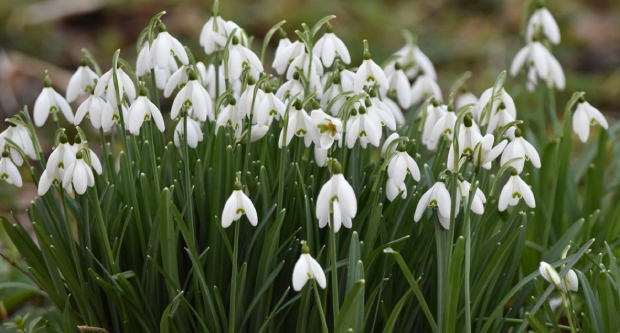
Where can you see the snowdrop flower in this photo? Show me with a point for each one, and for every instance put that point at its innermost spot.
(79, 174)
(437, 197)
(481, 112)
(20, 135)
(320, 156)
(519, 147)
(330, 93)
(50, 101)
(402, 164)
(239, 33)
(500, 119)
(329, 128)
(570, 280)
(299, 124)
(82, 81)
(365, 127)
(212, 79)
(469, 136)
(163, 47)
(397, 113)
(514, 190)
(443, 126)
(378, 110)
(485, 153)
(91, 108)
(547, 67)
(194, 133)
(247, 97)
(336, 197)
(477, 203)
(307, 268)
(423, 87)
(111, 116)
(106, 85)
(414, 60)
(386, 145)
(59, 160)
(270, 107)
(311, 70)
(286, 53)
(232, 116)
(550, 274)
(434, 112)
(369, 74)
(8, 170)
(399, 86)
(585, 116)
(329, 46)
(193, 95)
(237, 205)
(94, 160)
(239, 57)
(143, 109)
(213, 34)
(258, 132)
(178, 79)
(143, 62)
(392, 191)
(291, 88)
(465, 98)
(542, 22)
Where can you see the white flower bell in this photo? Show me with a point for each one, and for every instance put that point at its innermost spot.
(143, 109)
(165, 46)
(542, 22)
(20, 135)
(307, 268)
(50, 101)
(79, 174)
(585, 116)
(238, 204)
(402, 164)
(437, 197)
(520, 148)
(547, 67)
(329, 128)
(213, 34)
(369, 74)
(514, 190)
(81, 82)
(193, 95)
(329, 46)
(8, 170)
(336, 197)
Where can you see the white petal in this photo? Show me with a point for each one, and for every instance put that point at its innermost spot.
(317, 272)
(300, 273)
(250, 211)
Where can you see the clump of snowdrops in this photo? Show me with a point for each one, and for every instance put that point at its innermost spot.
(314, 194)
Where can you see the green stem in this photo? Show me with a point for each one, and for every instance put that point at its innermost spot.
(568, 315)
(334, 264)
(319, 306)
(472, 193)
(149, 129)
(188, 184)
(233, 288)
(103, 232)
(155, 92)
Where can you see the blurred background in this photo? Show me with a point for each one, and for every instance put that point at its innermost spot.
(480, 36)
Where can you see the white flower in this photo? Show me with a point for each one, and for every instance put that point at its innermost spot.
(79, 174)
(20, 135)
(329, 46)
(573, 281)
(61, 158)
(550, 274)
(299, 124)
(143, 109)
(143, 62)
(91, 108)
(178, 79)
(110, 116)
(500, 119)
(477, 203)
(239, 33)
(95, 163)
(514, 190)
(106, 85)
(542, 21)
(270, 107)
(414, 60)
(402, 164)
(8, 170)
(443, 126)
(378, 110)
(193, 95)
(501, 97)
(336, 197)
(239, 57)
(519, 147)
(399, 86)
(213, 34)
(50, 101)
(194, 133)
(306, 268)
(232, 116)
(438, 198)
(387, 143)
(335, 89)
(329, 128)
(212, 81)
(237, 205)
(392, 191)
(397, 113)
(247, 97)
(365, 127)
(465, 98)
(547, 67)
(285, 54)
(320, 156)
(82, 82)
(423, 87)
(311, 70)
(434, 112)
(258, 132)
(291, 88)
(163, 47)
(585, 116)
(369, 74)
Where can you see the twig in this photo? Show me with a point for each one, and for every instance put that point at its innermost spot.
(91, 329)
(14, 264)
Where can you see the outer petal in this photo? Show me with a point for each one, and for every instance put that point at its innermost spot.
(300, 273)
(13, 173)
(422, 205)
(95, 163)
(250, 211)
(505, 195)
(41, 108)
(532, 154)
(526, 193)
(137, 112)
(337, 222)
(518, 61)
(322, 202)
(317, 272)
(44, 183)
(80, 177)
(346, 196)
(229, 210)
(573, 282)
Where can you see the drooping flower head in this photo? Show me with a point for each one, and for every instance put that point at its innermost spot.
(237, 205)
(49, 101)
(585, 116)
(81, 82)
(336, 199)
